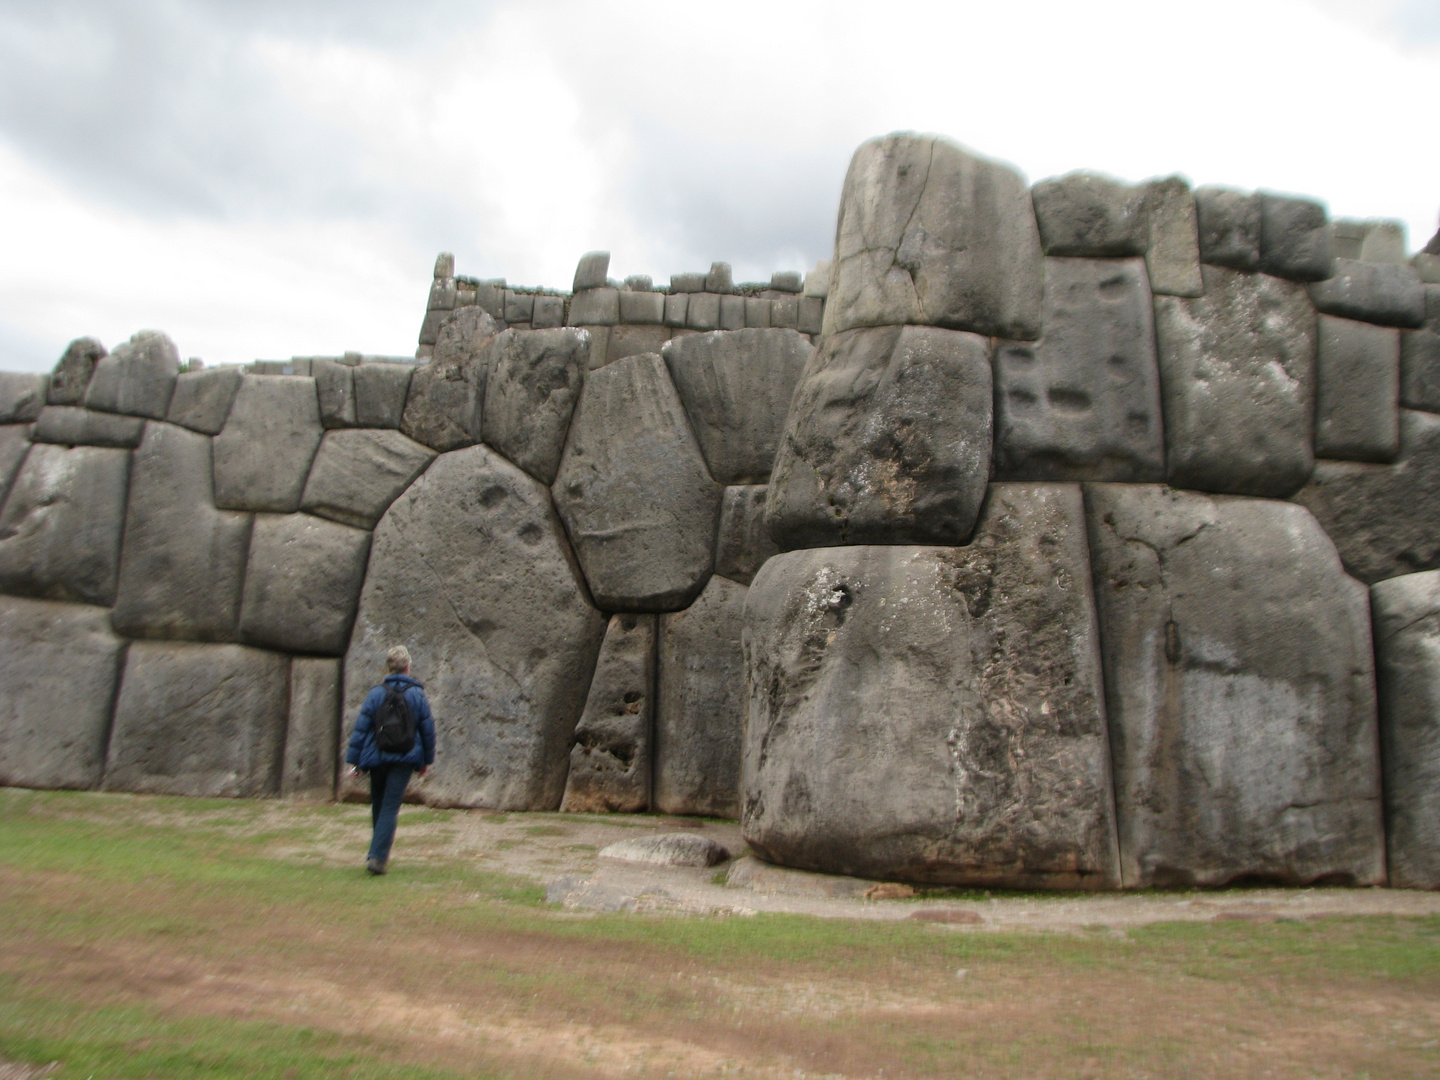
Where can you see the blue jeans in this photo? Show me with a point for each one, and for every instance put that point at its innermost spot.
(387, 788)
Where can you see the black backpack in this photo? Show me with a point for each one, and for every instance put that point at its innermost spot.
(394, 723)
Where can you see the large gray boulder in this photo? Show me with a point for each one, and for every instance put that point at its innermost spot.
(1237, 374)
(1407, 670)
(1083, 402)
(380, 391)
(335, 391)
(932, 234)
(14, 445)
(470, 569)
(137, 379)
(204, 720)
(1240, 692)
(182, 561)
(203, 398)
(71, 377)
(633, 489)
(743, 543)
(610, 763)
(69, 425)
(530, 394)
(1087, 214)
(302, 583)
(58, 664)
(1229, 225)
(1296, 241)
(60, 527)
(445, 396)
(934, 713)
(312, 729)
(736, 386)
(358, 474)
(1385, 519)
(1372, 292)
(1357, 391)
(700, 705)
(22, 396)
(888, 441)
(263, 455)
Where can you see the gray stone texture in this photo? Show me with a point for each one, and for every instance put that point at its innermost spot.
(69, 425)
(58, 664)
(642, 307)
(594, 307)
(610, 761)
(1407, 669)
(931, 234)
(137, 379)
(1083, 402)
(61, 524)
(743, 543)
(719, 279)
(71, 376)
(676, 309)
(1172, 254)
(1420, 358)
(934, 713)
(442, 408)
(633, 489)
(22, 396)
(700, 705)
(888, 441)
(205, 720)
(203, 398)
(1237, 376)
(302, 583)
(732, 312)
(530, 396)
(702, 311)
(736, 387)
(1087, 214)
(547, 312)
(380, 391)
(1357, 391)
(591, 271)
(1240, 692)
(519, 307)
(14, 445)
(471, 570)
(687, 283)
(1295, 238)
(669, 849)
(263, 454)
(757, 312)
(623, 341)
(182, 561)
(335, 389)
(812, 315)
(358, 474)
(1385, 519)
(1229, 226)
(312, 729)
(1372, 292)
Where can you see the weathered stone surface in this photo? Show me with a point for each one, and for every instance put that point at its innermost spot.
(358, 474)
(594, 307)
(668, 849)
(1240, 692)
(934, 714)
(1357, 391)
(677, 307)
(591, 271)
(1229, 224)
(203, 398)
(534, 382)
(700, 705)
(1083, 402)
(71, 376)
(931, 234)
(380, 391)
(637, 501)
(642, 307)
(610, 761)
(1420, 358)
(519, 307)
(702, 311)
(137, 379)
(1407, 669)
(1295, 238)
(719, 279)
(69, 425)
(1385, 519)
(60, 527)
(732, 312)
(736, 387)
(302, 583)
(335, 390)
(743, 543)
(263, 455)
(1237, 376)
(1084, 213)
(757, 312)
(442, 408)
(203, 720)
(1372, 292)
(312, 730)
(14, 444)
(471, 571)
(22, 396)
(623, 341)
(1172, 254)
(58, 664)
(548, 311)
(887, 441)
(182, 561)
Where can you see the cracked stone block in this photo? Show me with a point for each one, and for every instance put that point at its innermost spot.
(335, 389)
(14, 445)
(471, 570)
(1229, 227)
(60, 526)
(442, 407)
(58, 664)
(263, 454)
(1240, 692)
(380, 391)
(934, 713)
(71, 376)
(595, 307)
(610, 760)
(887, 441)
(1172, 253)
(642, 307)
(302, 583)
(743, 543)
(547, 312)
(22, 396)
(68, 425)
(202, 399)
(1083, 402)
(530, 396)
(312, 729)
(931, 234)
(202, 720)
(1086, 214)
(1237, 378)
(358, 474)
(633, 489)
(137, 379)
(1295, 238)
(736, 387)
(591, 270)
(1372, 292)
(1357, 391)
(632, 340)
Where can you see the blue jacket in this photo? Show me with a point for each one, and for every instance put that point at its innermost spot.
(362, 750)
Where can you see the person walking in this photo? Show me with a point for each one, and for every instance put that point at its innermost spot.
(394, 737)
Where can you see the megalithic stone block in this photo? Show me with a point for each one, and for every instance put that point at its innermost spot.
(442, 407)
(380, 391)
(68, 425)
(1087, 214)
(335, 389)
(71, 377)
(1229, 226)
(1172, 254)
(1378, 293)
(302, 583)
(743, 541)
(263, 455)
(203, 398)
(14, 445)
(312, 729)
(888, 441)
(22, 396)
(934, 713)
(1357, 391)
(1295, 238)
(530, 395)
(1240, 688)
(358, 474)
(137, 379)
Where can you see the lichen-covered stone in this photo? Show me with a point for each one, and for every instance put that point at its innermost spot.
(530, 395)
(356, 475)
(302, 583)
(137, 379)
(610, 762)
(263, 455)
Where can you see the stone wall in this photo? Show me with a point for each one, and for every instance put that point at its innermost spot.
(1030, 542)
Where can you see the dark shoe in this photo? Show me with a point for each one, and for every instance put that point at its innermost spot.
(375, 866)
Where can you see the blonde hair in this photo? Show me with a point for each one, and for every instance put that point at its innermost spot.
(397, 660)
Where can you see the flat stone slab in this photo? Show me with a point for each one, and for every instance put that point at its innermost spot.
(137, 379)
(263, 455)
(530, 394)
(668, 849)
(302, 583)
(357, 474)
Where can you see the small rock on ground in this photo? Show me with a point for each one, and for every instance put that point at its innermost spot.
(668, 849)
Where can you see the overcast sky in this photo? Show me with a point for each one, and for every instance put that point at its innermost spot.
(266, 178)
